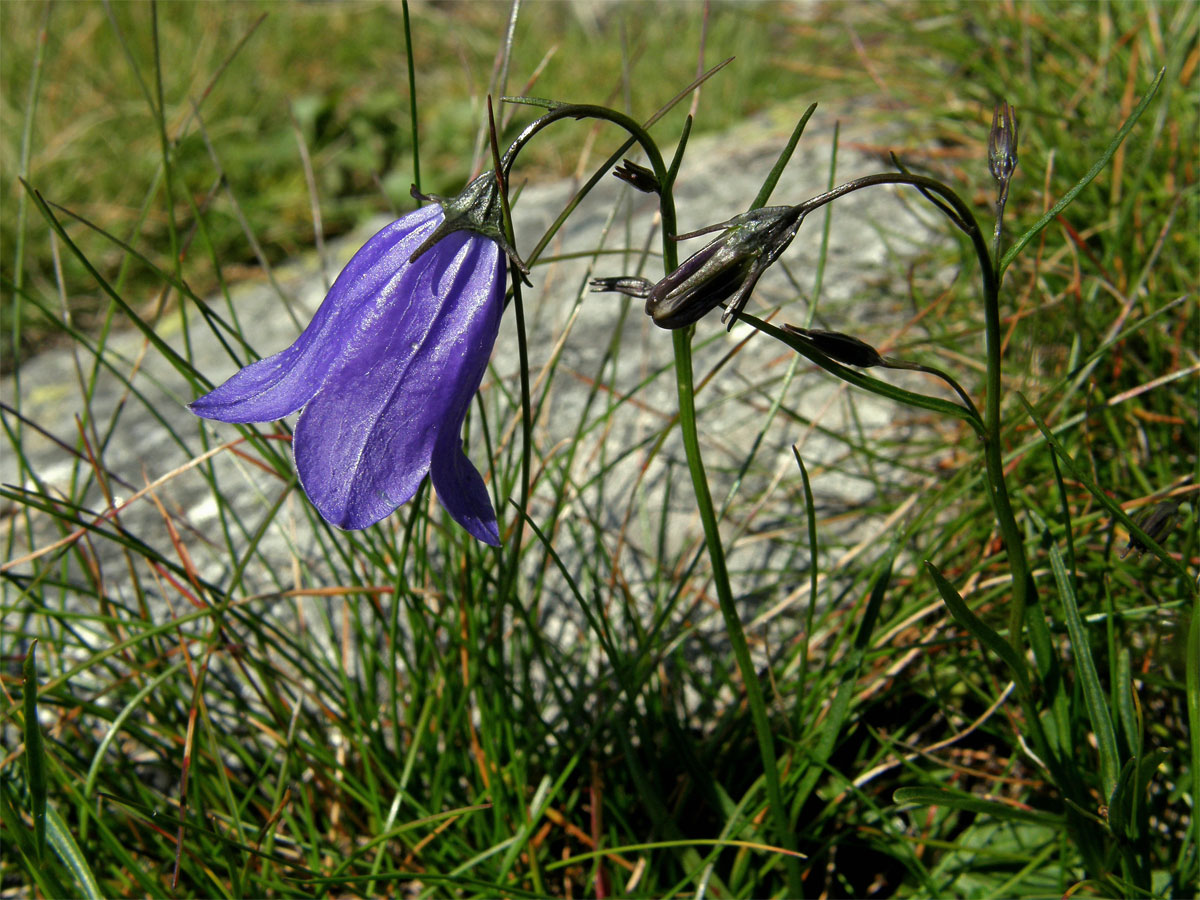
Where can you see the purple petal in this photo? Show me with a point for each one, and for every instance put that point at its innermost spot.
(462, 492)
(366, 439)
(459, 485)
(371, 283)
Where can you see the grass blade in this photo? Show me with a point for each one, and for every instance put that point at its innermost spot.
(764, 193)
(68, 851)
(35, 753)
(866, 382)
(17, 838)
(848, 679)
(1193, 712)
(1102, 497)
(980, 630)
(926, 796)
(1093, 694)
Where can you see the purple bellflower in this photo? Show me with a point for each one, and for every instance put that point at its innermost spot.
(385, 371)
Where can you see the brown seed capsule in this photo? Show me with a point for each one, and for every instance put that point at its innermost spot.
(638, 176)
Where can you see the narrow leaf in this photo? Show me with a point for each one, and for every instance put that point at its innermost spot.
(1127, 712)
(1147, 768)
(764, 193)
(858, 379)
(68, 851)
(831, 728)
(980, 630)
(180, 364)
(1192, 667)
(18, 839)
(1118, 801)
(1102, 497)
(35, 753)
(1093, 695)
(927, 796)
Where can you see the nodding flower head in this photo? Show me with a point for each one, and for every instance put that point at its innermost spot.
(722, 273)
(385, 371)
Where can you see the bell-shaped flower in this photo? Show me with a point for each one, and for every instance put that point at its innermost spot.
(385, 372)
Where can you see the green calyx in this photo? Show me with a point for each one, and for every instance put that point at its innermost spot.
(477, 209)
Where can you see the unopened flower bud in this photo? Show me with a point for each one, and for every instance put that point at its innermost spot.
(1156, 521)
(638, 176)
(1002, 142)
(843, 348)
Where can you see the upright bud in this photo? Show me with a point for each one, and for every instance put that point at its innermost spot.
(1002, 143)
(1002, 160)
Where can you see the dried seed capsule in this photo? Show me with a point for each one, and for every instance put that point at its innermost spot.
(638, 176)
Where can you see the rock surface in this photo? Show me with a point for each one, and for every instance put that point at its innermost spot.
(872, 235)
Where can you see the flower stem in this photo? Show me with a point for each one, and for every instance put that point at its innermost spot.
(733, 624)
(958, 211)
(687, 421)
(412, 96)
(685, 387)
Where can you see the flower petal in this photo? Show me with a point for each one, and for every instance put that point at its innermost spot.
(461, 490)
(459, 485)
(366, 439)
(279, 385)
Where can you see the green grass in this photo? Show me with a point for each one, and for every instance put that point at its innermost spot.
(332, 76)
(390, 713)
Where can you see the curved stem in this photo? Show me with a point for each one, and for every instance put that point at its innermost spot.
(889, 363)
(1023, 589)
(687, 421)
(639, 135)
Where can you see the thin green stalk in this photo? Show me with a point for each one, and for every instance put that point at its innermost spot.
(412, 96)
(687, 421)
(810, 514)
(1192, 679)
(1023, 588)
(510, 577)
(733, 624)
(682, 340)
(31, 98)
(160, 111)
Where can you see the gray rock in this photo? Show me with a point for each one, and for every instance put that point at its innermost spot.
(608, 414)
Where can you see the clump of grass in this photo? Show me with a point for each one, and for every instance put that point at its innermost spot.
(233, 699)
